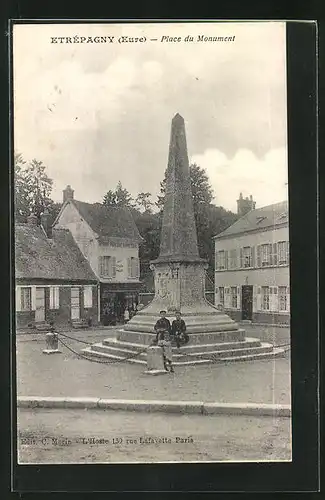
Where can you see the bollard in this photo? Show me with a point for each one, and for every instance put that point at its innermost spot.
(52, 343)
(155, 362)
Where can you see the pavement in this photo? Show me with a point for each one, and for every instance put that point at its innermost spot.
(95, 436)
(38, 374)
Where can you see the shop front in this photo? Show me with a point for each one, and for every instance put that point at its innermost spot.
(115, 299)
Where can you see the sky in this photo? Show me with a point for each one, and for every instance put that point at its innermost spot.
(99, 113)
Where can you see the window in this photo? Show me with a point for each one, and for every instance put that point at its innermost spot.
(221, 259)
(265, 298)
(234, 297)
(283, 299)
(133, 267)
(247, 257)
(283, 252)
(107, 266)
(54, 297)
(222, 295)
(88, 296)
(233, 259)
(266, 254)
(26, 299)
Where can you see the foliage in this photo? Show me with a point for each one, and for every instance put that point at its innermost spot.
(119, 197)
(144, 203)
(32, 188)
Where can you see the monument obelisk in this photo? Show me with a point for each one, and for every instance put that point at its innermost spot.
(179, 284)
(179, 272)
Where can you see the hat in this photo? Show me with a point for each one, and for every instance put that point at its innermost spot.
(163, 311)
(178, 312)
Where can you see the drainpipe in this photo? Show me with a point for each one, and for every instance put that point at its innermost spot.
(98, 303)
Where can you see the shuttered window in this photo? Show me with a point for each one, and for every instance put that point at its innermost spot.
(25, 299)
(265, 299)
(283, 298)
(283, 252)
(234, 297)
(133, 267)
(108, 266)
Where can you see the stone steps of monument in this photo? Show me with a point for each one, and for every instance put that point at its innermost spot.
(180, 358)
(195, 338)
(191, 350)
(42, 326)
(89, 351)
(188, 349)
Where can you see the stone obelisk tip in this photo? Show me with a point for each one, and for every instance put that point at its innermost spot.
(178, 233)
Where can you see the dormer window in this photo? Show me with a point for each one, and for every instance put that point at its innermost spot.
(259, 219)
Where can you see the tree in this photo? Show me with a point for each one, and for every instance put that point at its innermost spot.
(210, 219)
(32, 188)
(119, 197)
(144, 202)
(202, 191)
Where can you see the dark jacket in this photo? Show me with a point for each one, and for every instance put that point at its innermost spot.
(178, 326)
(163, 324)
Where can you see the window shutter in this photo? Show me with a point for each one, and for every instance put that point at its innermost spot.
(275, 254)
(217, 260)
(57, 297)
(241, 258)
(258, 250)
(113, 264)
(287, 253)
(137, 268)
(238, 297)
(253, 256)
(101, 266)
(33, 298)
(129, 267)
(226, 259)
(275, 299)
(288, 299)
(271, 254)
(227, 298)
(258, 299)
(18, 298)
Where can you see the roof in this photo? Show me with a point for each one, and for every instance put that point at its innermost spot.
(57, 258)
(115, 222)
(259, 219)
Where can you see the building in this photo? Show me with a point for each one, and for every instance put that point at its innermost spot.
(53, 279)
(109, 239)
(252, 266)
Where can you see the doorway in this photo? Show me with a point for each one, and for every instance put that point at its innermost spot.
(40, 305)
(247, 302)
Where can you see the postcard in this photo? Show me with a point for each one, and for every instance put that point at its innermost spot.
(152, 283)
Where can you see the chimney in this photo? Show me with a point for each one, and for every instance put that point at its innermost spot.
(45, 222)
(68, 193)
(32, 220)
(245, 205)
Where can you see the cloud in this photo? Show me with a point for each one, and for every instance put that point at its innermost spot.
(264, 178)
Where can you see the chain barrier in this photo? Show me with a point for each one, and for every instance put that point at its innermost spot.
(106, 362)
(127, 358)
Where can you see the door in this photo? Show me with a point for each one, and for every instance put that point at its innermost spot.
(40, 305)
(247, 302)
(75, 303)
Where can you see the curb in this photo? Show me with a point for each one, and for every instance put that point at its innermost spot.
(185, 407)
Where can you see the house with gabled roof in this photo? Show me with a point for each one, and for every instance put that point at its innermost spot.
(252, 265)
(109, 240)
(54, 282)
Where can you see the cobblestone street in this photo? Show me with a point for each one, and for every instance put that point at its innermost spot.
(56, 436)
